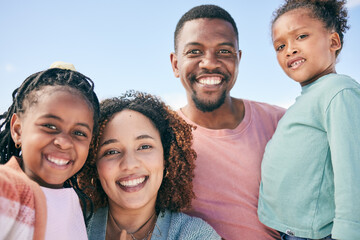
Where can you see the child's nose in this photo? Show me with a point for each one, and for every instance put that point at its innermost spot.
(63, 141)
(291, 50)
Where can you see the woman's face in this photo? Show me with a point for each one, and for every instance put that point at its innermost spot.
(130, 161)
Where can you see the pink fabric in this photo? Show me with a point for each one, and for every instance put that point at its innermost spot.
(65, 218)
(227, 173)
(22, 204)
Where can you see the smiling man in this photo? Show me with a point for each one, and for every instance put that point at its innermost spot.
(231, 133)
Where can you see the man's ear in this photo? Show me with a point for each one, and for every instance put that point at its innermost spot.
(15, 128)
(335, 43)
(240, 53)
(174, 64)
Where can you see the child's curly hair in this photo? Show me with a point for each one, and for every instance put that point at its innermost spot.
(332, 13)
(176, 190)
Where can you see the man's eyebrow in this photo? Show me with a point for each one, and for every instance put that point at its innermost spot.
(192, 44)
(227, 44)
(221, 44)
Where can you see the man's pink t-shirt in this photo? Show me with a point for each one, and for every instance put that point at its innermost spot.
(227, 173)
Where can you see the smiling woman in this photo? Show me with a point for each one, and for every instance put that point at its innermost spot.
(141, 173)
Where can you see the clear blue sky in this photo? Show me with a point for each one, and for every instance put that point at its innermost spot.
(125, 45)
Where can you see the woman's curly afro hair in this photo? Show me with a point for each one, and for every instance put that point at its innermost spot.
(176, 190)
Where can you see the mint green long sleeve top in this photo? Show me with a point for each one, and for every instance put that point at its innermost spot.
(311, 167)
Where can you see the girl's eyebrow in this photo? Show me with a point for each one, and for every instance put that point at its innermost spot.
(52, 116)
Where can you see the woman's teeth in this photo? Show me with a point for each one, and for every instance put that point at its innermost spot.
(133, 182)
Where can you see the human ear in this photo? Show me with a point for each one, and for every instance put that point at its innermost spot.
(240, 53)
(15, 128)
(174, 64)
(335, 43)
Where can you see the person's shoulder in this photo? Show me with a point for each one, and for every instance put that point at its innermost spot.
(188, 227)
(265, 106)
(339, 82)
(96, 227)
(264, 110)
(13, 181)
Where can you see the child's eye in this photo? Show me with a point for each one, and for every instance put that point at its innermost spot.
(80, 133)
(302, 36)
(50, 126)
(279, 48)
(145, 146)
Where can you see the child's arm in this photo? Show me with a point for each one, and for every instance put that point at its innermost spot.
(17, 216)
(343, 129)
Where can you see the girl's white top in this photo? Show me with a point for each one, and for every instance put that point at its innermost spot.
(64, 215)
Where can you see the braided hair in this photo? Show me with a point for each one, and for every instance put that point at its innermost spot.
(332, 13)
(176, 190)
(25, 95)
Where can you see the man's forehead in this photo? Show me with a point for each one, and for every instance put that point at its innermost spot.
(207, 29)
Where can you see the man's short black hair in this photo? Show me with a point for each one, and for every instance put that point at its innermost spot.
(204, 11)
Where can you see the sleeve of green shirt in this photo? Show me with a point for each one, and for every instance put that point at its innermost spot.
(343, 129)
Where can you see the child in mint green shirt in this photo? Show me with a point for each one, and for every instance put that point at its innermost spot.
(310, 185)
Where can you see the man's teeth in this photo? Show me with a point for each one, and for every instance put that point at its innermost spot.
(210, 80)
(297, 63)
(133, 182)
(58, 161)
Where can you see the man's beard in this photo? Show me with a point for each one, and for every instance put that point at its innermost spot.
(208, 106)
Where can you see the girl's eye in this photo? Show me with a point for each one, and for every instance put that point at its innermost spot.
(144, 147)
(80, 133)
(279, 48)
(302, 36)
(50, 126)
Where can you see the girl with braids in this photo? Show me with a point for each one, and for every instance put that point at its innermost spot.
(44, 140)
(310, 170)
(141, 172)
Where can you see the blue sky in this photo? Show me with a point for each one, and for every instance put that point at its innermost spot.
(125, 45)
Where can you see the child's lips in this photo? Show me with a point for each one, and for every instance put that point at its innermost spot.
(296, 62)
(57, 160)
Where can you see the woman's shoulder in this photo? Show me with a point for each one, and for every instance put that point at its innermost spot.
(96, 228)
(182, 226)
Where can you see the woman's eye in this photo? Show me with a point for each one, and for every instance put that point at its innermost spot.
(143, 147)
(111, 152)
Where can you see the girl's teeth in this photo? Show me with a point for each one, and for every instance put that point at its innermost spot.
(298, 62)
(57, 161)
(133, 182)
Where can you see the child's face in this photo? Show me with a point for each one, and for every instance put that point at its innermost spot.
(131, 161)
(305, 48)
(55, 134)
